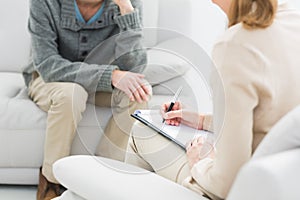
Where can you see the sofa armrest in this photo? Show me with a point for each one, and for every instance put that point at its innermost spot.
(93, 177)
(273, 177)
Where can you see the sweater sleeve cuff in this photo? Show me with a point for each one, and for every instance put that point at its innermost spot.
(200, 170)
(129, 21)
(104, 84)
(208, 123)
(201, 173)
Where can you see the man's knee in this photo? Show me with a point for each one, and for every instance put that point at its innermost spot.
(70, 95)
(121, 100)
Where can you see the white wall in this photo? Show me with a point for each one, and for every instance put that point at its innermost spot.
(295, 3)
(209, 22)
(200, 20)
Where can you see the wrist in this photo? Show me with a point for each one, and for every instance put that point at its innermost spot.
(126, 9)
(114, 76)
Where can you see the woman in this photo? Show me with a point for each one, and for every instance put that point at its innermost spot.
(63, 33)
(258, 63)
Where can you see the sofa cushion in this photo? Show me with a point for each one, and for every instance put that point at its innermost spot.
(164, 61)
(17, 111)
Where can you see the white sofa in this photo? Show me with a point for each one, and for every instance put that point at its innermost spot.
(22, 123)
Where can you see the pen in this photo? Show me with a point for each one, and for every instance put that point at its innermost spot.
(174, 100)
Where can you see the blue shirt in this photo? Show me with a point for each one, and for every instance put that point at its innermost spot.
(93, 19)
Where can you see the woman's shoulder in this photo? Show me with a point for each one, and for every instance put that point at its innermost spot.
(235, 34)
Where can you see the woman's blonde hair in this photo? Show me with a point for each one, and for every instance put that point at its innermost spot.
(252, 13)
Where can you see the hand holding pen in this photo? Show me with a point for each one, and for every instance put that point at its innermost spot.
(170, 106)
(173, 114)
(174, 121)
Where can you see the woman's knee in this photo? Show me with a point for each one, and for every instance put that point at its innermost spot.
(141, 133)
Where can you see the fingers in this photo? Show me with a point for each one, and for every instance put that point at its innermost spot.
(173, 122)
(171, 118)
(195, 143)
(140, 75)
(147, 88)
(173, 114)
(129, 94)
(165, 106)
(143, 94)
(139, 95)
(144, 88)
(130, 83)
(177, 106)
(139, 92)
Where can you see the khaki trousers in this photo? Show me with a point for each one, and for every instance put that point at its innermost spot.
(65, 102)
(151, 151)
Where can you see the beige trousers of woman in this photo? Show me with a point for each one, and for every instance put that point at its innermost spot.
(151, 151)
(65, 102)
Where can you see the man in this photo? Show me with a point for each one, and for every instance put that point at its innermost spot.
(63, 33)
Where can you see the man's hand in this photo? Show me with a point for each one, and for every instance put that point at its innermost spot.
(133, 84)
(125, 6)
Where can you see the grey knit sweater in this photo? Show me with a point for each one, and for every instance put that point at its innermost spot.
(61, 43)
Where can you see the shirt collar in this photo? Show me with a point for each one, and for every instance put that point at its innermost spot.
(69, 21)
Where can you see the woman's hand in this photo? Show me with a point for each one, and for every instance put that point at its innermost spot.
(178, 115)
(125, 6)
(198, 149)
(133, 84)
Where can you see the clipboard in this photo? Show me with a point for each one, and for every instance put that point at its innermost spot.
(184, 133)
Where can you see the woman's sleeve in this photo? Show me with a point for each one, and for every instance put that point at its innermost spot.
(130, 53)
(235, 97)
(208, 122)
(51, 66)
